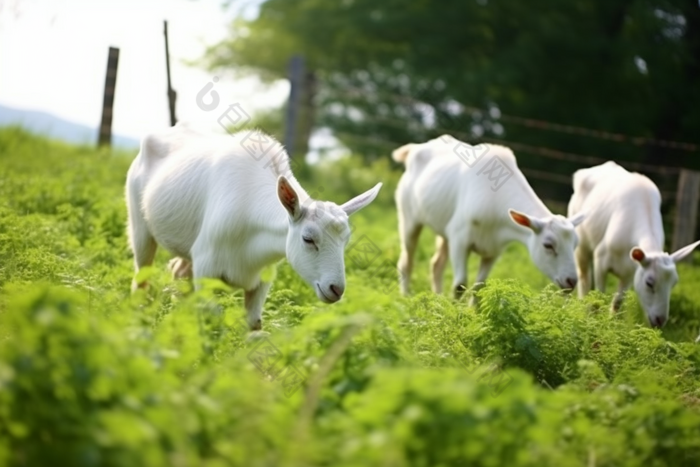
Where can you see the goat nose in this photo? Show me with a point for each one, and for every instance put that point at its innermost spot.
(571, 282)
(658, 322)
(337, 290)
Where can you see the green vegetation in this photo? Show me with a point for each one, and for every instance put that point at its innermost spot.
(91, 375)
(625, 66)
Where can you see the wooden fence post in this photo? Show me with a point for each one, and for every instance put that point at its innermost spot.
(687, 199)
(307, 112)
(296, 76)
(172, 95)
(105, 137)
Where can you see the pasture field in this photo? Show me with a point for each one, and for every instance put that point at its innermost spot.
(91, 375)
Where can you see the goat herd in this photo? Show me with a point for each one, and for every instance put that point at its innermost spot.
(212, 203)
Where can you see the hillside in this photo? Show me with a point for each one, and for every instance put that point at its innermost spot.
(92, 375)
(50, 125)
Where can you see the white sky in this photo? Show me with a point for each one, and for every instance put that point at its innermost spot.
(53, 57)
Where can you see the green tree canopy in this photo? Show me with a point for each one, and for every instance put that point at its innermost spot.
(396, 71)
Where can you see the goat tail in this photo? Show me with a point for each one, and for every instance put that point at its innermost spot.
(401, 154)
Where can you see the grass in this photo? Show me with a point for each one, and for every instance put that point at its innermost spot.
(92, 375)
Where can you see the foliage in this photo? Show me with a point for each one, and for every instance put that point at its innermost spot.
(625, 66)
(92, 375)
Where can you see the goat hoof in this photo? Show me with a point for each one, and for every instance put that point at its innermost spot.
(138, 285)
(256, 326)
(459, 291)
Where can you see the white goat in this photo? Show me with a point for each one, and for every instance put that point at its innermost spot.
(623, 234)
(473, 208)
(226, 214)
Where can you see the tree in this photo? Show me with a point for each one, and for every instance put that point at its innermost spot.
(400, 71)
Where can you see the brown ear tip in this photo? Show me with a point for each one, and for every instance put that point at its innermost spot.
(637, 254)
(519, 218)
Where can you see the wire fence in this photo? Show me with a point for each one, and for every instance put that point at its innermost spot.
(421, 119)
(546, 152)
(546, 125)
(518, 147)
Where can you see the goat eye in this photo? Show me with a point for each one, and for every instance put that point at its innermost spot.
(307, 240)
(549, 246)
(650, 284)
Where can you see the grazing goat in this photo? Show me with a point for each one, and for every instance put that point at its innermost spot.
(226, 214)
(623, 234)
(457, 199)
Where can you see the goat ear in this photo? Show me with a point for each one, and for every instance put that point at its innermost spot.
(577, 219)
(360, 201)
(288, 197)
(683, 252)
(532, 223)
(638, 255)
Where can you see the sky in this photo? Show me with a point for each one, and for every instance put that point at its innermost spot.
(53, 58)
